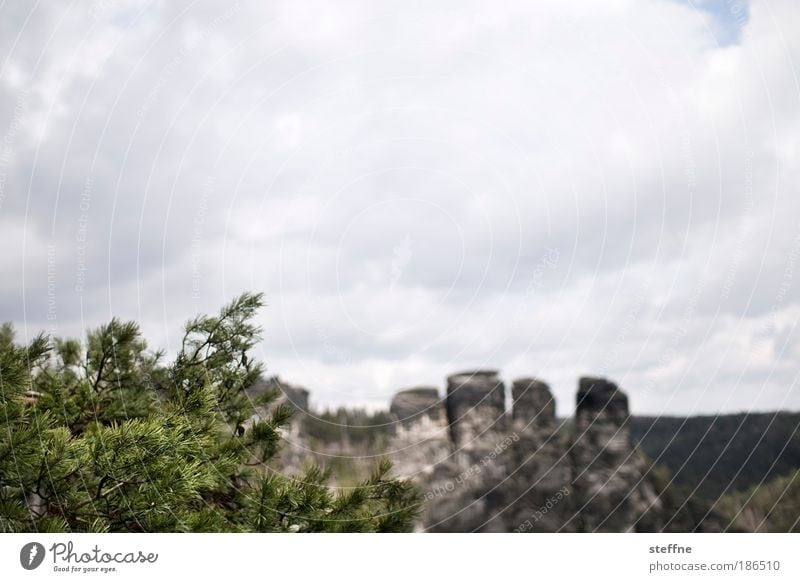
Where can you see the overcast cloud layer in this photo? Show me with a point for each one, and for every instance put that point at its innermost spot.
(555, 189)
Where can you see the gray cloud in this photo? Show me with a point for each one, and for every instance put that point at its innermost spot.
(556, 190)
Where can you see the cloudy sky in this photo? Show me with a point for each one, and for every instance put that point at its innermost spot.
(553, 189)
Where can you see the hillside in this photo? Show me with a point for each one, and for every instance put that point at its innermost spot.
(720, 454)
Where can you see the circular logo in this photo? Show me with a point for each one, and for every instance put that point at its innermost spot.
(31, 555)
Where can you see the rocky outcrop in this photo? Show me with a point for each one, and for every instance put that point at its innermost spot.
(475, 406)
(420, 448)
(420, 444)
(295, 449)
(481, 467)
(534, 406)
(409, 406)
(523, 469)
(611, 491)
(599, 399)
(294, 396)
(468, 488)
(537, 495)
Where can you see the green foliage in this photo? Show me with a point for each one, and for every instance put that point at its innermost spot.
(354, 426)
(771, 507)
(354, 435)
(106, 436)
(710, 456)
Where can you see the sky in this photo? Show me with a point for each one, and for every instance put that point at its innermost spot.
(550, 189)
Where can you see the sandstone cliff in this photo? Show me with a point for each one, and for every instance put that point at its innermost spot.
(483, 466)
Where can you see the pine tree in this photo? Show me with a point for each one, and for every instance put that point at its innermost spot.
(106, 436)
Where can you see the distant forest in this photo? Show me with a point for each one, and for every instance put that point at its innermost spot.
(716, 455)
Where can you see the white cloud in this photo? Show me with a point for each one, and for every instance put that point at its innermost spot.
(574, 187)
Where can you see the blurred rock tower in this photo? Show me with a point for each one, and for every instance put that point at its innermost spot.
(482, 467)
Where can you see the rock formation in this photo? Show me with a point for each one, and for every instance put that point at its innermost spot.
(420, 443)
(295, 449)
(420, 448)
(539, 469)
(409, 406)
(480, 467)
(526, 471)
(533, 404)
(475, 408)
(611, 492)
